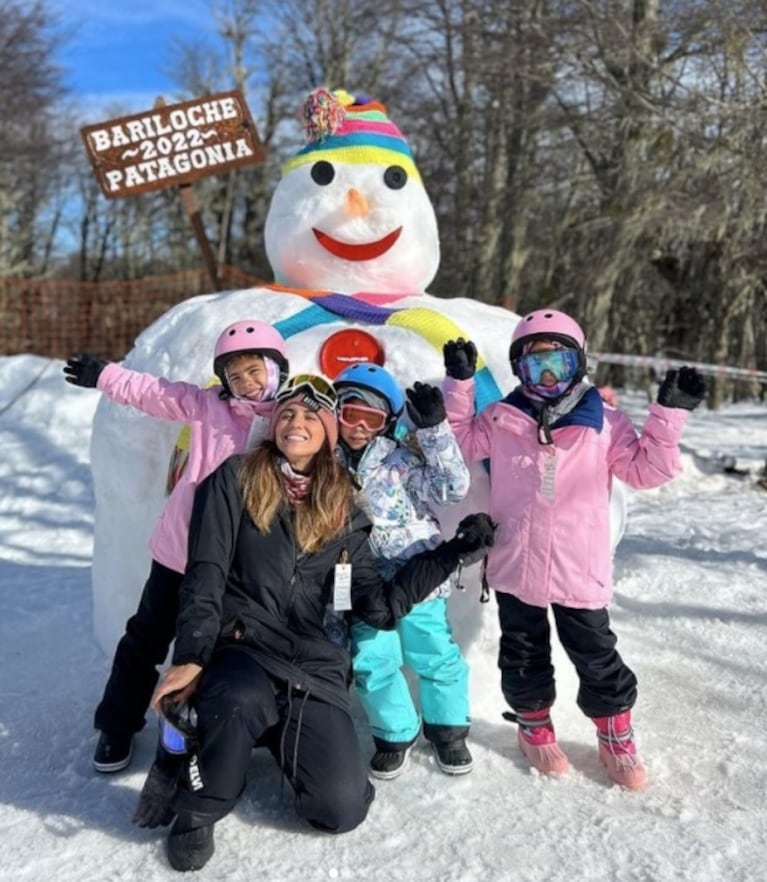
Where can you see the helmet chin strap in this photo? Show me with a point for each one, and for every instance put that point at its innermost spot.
(272, 378)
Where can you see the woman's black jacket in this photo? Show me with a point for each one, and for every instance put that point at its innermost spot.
(258, 589)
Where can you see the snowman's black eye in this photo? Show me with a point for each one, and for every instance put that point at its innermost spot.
(323, 173)
(395, 177)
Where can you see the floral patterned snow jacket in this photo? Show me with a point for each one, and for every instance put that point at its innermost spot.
(402, 489)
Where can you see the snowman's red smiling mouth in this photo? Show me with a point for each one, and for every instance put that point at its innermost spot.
(361, 251)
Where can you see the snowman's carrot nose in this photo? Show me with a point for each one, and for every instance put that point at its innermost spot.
(356, 204)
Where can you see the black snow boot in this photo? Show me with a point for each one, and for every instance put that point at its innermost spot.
(390, 759)
(189, 849)
(453, 757)
(449, 745)
(113, 752)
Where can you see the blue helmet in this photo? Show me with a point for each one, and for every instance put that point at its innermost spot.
(369, 377)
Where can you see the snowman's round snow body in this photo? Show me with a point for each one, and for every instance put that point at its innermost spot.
(352, 240)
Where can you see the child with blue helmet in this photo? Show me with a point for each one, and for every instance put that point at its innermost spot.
(400, 486)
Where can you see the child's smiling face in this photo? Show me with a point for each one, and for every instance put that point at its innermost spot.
(247, 376)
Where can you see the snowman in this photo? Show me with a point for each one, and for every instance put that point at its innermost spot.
(352, 239)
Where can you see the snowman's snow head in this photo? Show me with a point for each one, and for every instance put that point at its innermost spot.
(350, 212)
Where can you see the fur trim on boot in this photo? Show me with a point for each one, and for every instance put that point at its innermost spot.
(538, 742)
(618, 751)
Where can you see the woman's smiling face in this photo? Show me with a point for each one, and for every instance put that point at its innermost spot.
(299, 434)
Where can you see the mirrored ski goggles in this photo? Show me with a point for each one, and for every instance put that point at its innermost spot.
(563, 364)
(313, 386)
(178, 725)
(370, 418)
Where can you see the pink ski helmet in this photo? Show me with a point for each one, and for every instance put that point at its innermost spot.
(548, 324)
(250, 336)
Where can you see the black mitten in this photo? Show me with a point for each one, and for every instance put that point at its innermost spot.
(425, 405)
(153, 809)
(475, 534)
(683, 388)
(460, 358)
(84, 369)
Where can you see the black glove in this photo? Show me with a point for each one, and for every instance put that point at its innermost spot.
(475, 534)
(425, 405)
(684, 388)
(84, 369)
(153, 809)
(460, 358)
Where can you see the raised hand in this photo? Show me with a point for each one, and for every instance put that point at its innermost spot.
(425, 405)
(84, 369)
(460, 358)
(683, 388)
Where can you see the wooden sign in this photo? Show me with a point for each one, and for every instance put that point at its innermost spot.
(174, 144)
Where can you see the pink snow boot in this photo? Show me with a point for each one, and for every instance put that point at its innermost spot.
(618, 751)
(538, 742)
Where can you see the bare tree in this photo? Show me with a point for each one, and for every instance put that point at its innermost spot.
(471, 89)
(33, 146)
(601, 156)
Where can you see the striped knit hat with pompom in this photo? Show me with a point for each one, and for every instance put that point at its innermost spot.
(351, 129)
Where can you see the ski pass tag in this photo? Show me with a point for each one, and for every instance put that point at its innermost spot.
(342, 587)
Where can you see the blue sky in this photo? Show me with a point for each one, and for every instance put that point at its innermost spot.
(115, 54)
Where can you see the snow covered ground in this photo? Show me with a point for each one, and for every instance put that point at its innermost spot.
(691, 615)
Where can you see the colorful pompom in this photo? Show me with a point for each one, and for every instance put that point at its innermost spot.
(342, 127)
(323, 114)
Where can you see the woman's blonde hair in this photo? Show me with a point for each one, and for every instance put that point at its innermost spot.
(321, 514)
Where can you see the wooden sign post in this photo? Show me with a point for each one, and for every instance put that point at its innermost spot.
(174, 144)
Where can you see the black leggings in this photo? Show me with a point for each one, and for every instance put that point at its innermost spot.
(239, 707)
(148, 635)
(607, 685)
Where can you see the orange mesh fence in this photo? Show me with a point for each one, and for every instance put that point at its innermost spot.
(55, 318)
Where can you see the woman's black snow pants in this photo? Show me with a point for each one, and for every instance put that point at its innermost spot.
(239, 707)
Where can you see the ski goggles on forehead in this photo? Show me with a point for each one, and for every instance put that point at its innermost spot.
(313, 386)
(564, 364)
(371, 418)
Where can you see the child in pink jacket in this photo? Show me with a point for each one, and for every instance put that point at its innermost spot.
(553, 448)
(250, 359)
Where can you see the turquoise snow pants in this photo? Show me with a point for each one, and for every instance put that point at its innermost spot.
(424, 642)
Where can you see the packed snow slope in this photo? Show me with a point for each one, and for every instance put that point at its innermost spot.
(691, 615)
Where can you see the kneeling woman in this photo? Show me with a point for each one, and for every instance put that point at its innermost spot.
(278, 552)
